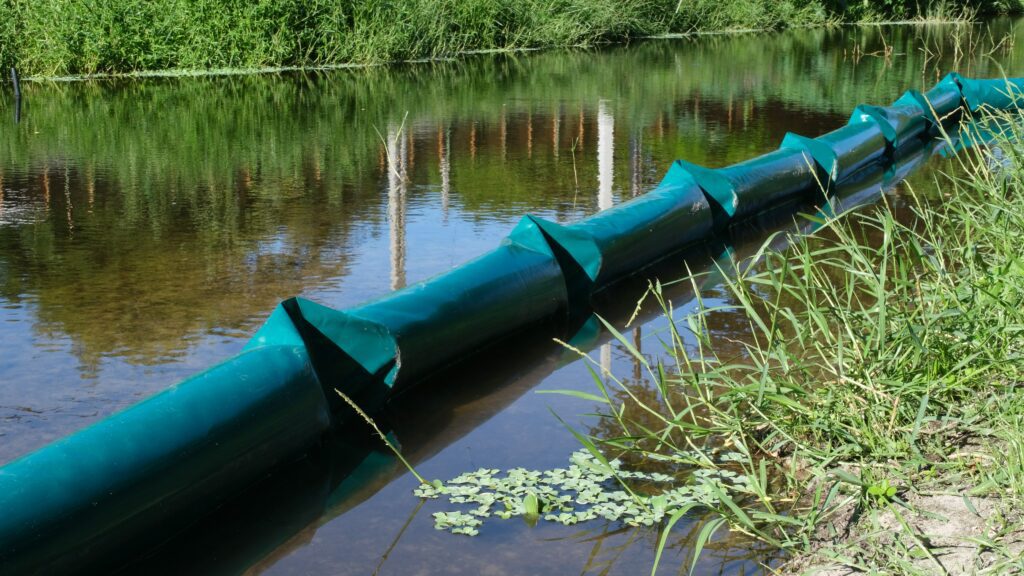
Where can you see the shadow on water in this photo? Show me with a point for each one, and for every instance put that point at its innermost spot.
(284, 511)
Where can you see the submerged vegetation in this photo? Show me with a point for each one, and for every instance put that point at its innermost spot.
(67, 37)
(872, 420)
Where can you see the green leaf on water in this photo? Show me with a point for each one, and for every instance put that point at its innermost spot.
(531, 505)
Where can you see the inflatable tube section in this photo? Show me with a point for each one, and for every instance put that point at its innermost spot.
(420, 329)
(938, 105)
(867, 185)
(155, 468)
(744, 189)
(841, 152)
(899, 124)
(619, 241)
(1000, 94)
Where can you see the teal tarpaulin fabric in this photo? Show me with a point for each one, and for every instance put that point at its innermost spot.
(158, 465)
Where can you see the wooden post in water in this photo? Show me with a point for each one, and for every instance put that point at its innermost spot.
(529, 132)
(636, 161)
(444, 137)
(503, 133)
(556, 118)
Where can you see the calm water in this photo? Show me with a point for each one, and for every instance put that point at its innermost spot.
(147, 227)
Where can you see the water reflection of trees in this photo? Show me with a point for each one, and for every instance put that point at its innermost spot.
(122, 276)
(202, 183)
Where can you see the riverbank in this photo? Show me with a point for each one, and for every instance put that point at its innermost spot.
(67, 37)
(875, 416)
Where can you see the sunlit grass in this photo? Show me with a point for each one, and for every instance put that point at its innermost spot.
(70, 37)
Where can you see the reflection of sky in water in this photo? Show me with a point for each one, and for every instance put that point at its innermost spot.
(137, 249)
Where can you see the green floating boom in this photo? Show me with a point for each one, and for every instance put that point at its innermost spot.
(618, 241)
(160, 465)
(943, 102)
(744, 189)
(899, 124)
(842, 152)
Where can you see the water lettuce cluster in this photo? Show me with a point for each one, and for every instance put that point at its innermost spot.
(587, 489)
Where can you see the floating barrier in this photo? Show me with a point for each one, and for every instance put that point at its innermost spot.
(622, 239)
(842, 152)
(162, 464)
(744, 189)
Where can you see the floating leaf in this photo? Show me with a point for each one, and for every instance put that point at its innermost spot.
(531, 505)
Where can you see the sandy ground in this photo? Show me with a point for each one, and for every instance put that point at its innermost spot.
(946, 523)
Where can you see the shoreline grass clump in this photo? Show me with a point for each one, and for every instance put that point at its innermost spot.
(80, 37)
(882, 369)
(874, 412)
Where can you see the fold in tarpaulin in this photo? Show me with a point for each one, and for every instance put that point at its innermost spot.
(374, 348)
(998, 94)
(155, 467)
(627, 237)
(899, 124)
(744, 189)
(841, 152)
(417, 330)
(940, 104)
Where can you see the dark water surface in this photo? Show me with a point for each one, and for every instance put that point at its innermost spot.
(147, 227)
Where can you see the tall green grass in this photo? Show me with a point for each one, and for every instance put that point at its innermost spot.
(875, 351)
(63, 37)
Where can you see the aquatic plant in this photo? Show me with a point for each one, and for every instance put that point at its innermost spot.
(589, 488)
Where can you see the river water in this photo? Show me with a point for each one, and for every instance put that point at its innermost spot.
(148, 226)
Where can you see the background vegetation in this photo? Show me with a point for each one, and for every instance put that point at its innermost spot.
(67, 37)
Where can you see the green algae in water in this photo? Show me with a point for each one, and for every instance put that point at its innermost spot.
(585, 490)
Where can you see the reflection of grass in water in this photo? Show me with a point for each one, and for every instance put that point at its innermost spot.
(213, 166)
(189, 179)
(109, 120)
